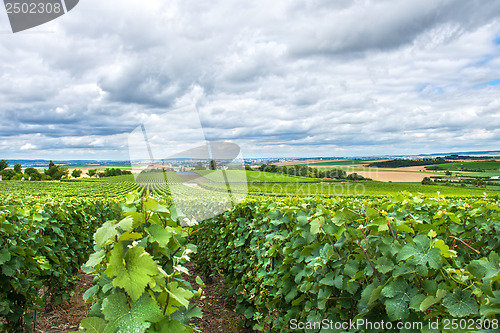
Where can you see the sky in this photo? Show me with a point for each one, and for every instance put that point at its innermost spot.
(279, 78)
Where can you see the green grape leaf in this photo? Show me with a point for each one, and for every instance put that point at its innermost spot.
(328, 279)
(315, 226)
(150, 205)
(371, 293)
(405, 228)
(428, 302)
(398, 294)
(4, 256)
(130, 235)
(199, 281)
(384, 265)
(131, 197)
(93, 325)
(178, 295)
(105, 233)
(95, 258)
(159, 234)
(445, 249)
(126, 224)
(493, 306)
(416, 301)
(421, 254)
(134, 272)
(486, 270)
(460, 303)
(89, 293)
(342, 216)
(135, 319)
(397, 308)
(168, 326)
(394, 288)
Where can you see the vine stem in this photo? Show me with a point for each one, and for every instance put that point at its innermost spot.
(166, 304)
(331, 241)
(461, 241)
(369, 260)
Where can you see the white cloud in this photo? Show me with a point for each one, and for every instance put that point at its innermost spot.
(28, 146)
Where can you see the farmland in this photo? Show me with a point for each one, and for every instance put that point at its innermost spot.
(467, 166)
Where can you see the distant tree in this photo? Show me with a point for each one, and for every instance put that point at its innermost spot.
(101, 174)
(199, 166)
(76, 173)
(248, 168)
(3, 165)
(60, 173)
(92, 172)
(17, 176)
(7, 174)
(33, 173)
(56, 172)
(427, 181)
(213, 165)
(17, 168)
(355, 176)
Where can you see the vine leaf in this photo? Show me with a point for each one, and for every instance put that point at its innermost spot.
(315, 226)
(93, 325)
(179, 296)
(444, 249)
(135, 319)
(489, 271)
(460, 303)
(159, 234)
(95, 259)
(105, 233)
(168, 325)
(4, 256)
(399, 295)
(421, 254)
(134, 273)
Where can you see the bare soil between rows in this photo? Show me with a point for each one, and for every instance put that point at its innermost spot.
(219, 314)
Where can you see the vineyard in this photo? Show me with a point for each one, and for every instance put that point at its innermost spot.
(288, 257)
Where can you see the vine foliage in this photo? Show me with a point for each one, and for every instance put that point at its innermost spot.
(399, 258)
(139, 266)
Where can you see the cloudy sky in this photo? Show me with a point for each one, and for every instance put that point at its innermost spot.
(280, 78)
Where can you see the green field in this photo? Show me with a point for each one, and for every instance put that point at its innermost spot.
(256, 176)
(99, 167)
(333, 163)
(479, 174)
(459, 166)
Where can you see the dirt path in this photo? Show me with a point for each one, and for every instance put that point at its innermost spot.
(218, 313)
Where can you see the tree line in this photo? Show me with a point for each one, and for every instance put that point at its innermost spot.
(305, 171)
(54, 172)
